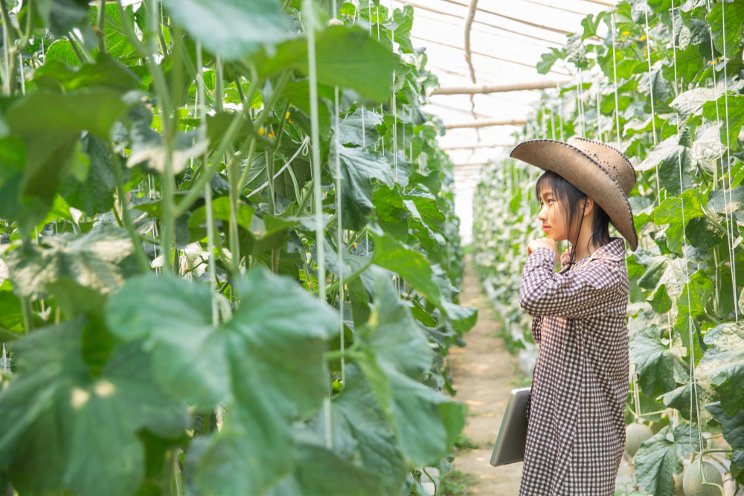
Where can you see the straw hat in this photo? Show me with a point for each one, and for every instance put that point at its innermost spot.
(600, 171)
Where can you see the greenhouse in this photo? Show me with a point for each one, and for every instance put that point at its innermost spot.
(372, 247)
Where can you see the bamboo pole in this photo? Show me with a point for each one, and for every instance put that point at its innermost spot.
(485, 123)
(500, 88)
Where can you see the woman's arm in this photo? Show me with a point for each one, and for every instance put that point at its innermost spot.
(577, 294)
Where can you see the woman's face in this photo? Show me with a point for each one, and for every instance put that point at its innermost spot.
(553, 216)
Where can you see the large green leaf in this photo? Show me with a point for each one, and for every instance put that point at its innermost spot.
(264, 364)
(49, 124)
(94, 193)
(426, 422)
(99, 260)
(728, 110)
(232, 29)
(358, 410)
(360, 128)
(734, 16)
(319, 470)
(54, 402)
(659, 368)
(410, 264)
(660, 457)
(733, 431)
(60, 16)
(358, 170)
(672, 160)
(105, 72)
(346, 57)
(722, 364)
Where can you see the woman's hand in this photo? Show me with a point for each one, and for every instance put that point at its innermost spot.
(541, 243)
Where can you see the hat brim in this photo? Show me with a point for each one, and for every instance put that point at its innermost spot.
(587, 175)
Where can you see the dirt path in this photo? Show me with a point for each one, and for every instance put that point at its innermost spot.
(484, 374)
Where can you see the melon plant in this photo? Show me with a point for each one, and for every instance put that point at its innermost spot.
(702, 478)
(230, 260)
(635, 434)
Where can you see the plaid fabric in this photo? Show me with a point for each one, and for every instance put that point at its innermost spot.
(576, 432)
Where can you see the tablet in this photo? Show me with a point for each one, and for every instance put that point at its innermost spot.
(513, 431)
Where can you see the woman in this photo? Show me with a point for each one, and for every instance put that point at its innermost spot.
(576, 432)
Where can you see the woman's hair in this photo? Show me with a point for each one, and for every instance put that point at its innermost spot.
(569, 197)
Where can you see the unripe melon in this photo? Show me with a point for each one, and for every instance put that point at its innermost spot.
(635, 434)
(693, 482)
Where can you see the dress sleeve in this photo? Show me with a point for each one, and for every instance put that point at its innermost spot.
(573, 294)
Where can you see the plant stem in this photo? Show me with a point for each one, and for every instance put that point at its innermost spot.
(139, 251)
(101, 26)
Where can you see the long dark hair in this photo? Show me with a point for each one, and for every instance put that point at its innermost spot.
(569, 196)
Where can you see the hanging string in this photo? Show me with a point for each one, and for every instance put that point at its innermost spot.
(614, 78)
(339, 224)
(309, 14)
(729, 217)
(580, 104)
(651, 91)
(694, 405)
(394, 102)
(598, 134)
(200, 110)
(633, 376)
(728, 161)
(560, 110)
(552, 123)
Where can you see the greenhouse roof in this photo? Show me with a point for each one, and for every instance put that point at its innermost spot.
(506, 42)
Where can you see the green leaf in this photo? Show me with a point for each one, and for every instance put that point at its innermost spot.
(94, 194)
(42, 112)
(53, 402)
(358, 170)
(733, 430)
(704, 234)
(360, 128)
(232, 29)
(731, 106)
(346, 57)
(99, 260)
(49, 125)
(659, 368)
(265, 365)
(117, 41)
(722, 364)
(409, 264)
(660, 457)
(730, 202)
(672, 160)
(357, 408)
(426, 422)
(321, 471)
(734, 16)
(61, 16)
(104, 73)
(547, 60)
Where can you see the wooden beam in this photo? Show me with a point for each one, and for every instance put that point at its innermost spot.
(501, 88)
(484, 123)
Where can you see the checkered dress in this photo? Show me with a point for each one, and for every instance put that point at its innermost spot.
(576, 432)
